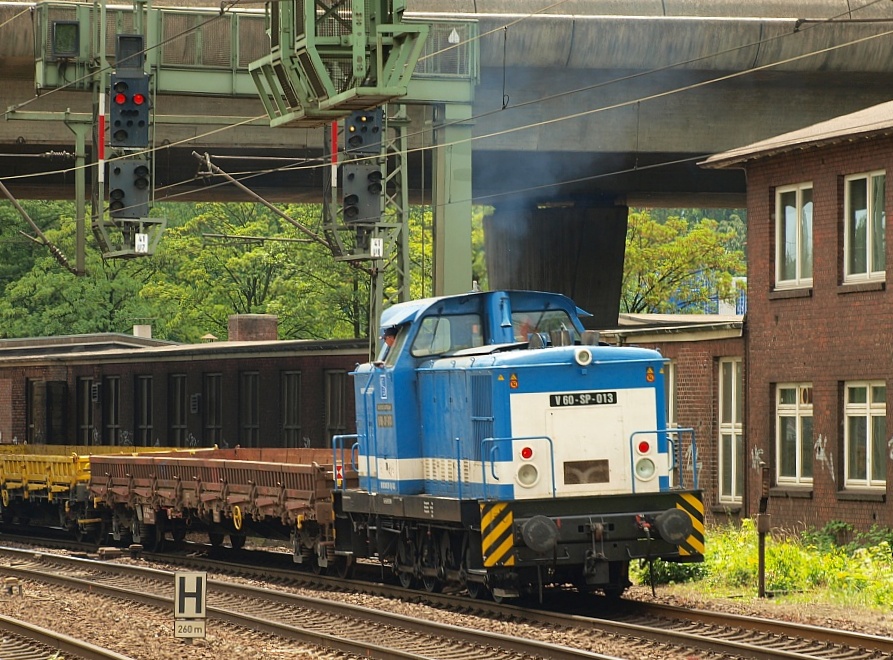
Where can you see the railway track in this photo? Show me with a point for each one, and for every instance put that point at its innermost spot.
(328, 624)
(20, 640)
(660, 631)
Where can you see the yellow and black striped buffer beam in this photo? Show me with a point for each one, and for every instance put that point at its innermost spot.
(496, 534)
(691, 504)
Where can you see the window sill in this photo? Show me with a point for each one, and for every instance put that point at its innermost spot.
(782, 294)
(792, 492)
(729, 509)
(864, 495)
(859, 287)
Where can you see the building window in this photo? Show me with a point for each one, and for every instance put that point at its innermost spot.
(336, 402)
(670, 393)
(865, 435)
(793, 213)
(249, 409)
(291, 409)
(731, 430)
(670, 402)
(178, 410)
(865, 221)
(143, 406)
(213, 400)
(87, 394)
(111, 410)
(794, 440)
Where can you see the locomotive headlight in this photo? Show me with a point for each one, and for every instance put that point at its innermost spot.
(645, 468)
(528, 475)
(583, 356)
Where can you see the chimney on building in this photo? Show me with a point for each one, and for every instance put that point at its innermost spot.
(253, 327)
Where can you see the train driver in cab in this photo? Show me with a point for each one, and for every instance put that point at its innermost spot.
(388, 352)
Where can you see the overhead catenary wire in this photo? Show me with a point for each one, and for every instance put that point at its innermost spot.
(506, 131)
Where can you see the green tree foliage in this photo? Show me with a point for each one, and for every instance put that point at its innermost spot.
(214, 260)
(48, 300)
(17, 251)
(677, 264)
(243, 259)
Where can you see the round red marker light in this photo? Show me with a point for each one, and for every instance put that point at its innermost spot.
(120, 99)
(526, 453)
(139, 99)
(644, 447)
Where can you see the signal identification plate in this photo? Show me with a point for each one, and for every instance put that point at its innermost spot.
(582, 399)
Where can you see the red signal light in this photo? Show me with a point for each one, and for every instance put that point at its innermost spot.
(526, 453)
(138, 99)
(120, 99)
(644, 447)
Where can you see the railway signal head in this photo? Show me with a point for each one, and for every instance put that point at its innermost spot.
(363, 131)
(362, 187)
(129, 111)
(129, 188)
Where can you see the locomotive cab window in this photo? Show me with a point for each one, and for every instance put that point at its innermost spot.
(545, 320)
(447, 334)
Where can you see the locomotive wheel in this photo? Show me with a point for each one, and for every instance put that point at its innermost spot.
(407, 579)
(477, 590)
(432, 584)
(405, 559)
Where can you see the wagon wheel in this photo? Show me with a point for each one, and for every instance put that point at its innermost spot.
(178, 533)
(136, 535)
(152, 537)
(237, 541)
(215, 538)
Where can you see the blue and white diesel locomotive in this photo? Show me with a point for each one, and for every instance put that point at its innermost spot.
(500, 447)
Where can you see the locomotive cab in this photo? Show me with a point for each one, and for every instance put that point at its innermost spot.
(499, 445)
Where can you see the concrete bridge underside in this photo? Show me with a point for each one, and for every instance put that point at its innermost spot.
(577, 116)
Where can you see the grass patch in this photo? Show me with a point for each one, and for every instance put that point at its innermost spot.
(835, 564)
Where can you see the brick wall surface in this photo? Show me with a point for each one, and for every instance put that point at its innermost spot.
(831, 334)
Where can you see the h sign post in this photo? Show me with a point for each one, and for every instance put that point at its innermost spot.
(190, 598)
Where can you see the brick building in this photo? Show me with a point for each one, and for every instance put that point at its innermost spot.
(819, 349)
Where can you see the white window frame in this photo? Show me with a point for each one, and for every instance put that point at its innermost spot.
(797, 412)
(801, 238)
(672, 422)
(869, 411)
(875, 268)
(731, 425)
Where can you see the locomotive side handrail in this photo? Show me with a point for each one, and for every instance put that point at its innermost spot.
(338, 448)
(495, 447)
(694, 455)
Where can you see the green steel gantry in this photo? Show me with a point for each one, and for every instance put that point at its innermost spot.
(311, 62)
